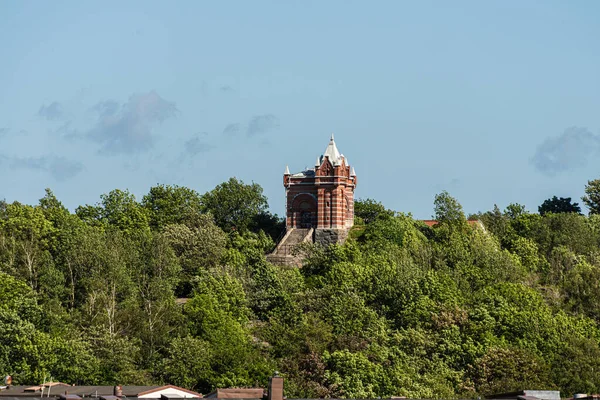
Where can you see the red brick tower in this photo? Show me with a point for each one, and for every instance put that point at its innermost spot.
(322, 197)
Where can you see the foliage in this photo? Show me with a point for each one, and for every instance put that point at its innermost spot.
(447, 208)
(117, 209)
(169, 205)
(234, 204)
(176, 289)
(592, 196)
(559, 205)
(369, 210)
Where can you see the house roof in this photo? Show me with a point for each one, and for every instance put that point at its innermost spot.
(83, 391)
(161, 388)
(237, 393)
(527, 395)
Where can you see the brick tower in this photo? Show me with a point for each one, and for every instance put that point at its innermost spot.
(322, 198)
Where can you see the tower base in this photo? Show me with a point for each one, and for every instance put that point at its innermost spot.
(326, 237)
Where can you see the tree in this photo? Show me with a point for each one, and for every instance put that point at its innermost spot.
(515, 210)
(197, 248)
(51, 205)
(25, 241)
(234, 204)
(119, 209)
(269, 223)
(592, 196)
(369, 210)
(577, 368)
(234, 359)
(503, 370)
(171, 205)
(558, 205)
(447, 208)
(188, 363)
(354, 375)
(156, 276)
(26, 351)
(106, 257)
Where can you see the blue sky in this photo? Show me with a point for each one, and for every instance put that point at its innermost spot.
(496, 102)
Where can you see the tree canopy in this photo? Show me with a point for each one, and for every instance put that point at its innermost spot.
(559, 205)
(176, 288)
(234, 204)
(592, 196)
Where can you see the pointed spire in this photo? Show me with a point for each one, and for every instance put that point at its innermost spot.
(332, 152)
(318, 163)
(353, 173)
(287, 170)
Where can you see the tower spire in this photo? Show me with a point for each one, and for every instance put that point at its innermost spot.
(287, 170)
(332, 152)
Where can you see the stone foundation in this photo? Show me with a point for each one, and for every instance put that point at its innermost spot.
(328, 237)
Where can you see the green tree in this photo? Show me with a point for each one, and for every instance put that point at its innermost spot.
(354, 375)
(503, 370)
(155, 277)
(187, 364)
(559, 205)
(27, 352)
(234, 204)
(119, 209)
(169, 205)
(269, 223)
(577, 366)
(25, 239)
(108, 289)
(198, 248)
(592, 196)
(234, 360)
(515, 210)
(368, 210)
(447, 208)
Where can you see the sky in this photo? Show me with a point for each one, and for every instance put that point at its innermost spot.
(496, 102)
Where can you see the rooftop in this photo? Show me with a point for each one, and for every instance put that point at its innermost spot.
(58, 388)
(332, 153)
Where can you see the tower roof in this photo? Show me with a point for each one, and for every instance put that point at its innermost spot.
(332, 152)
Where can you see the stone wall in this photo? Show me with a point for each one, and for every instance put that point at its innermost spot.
(327, 237)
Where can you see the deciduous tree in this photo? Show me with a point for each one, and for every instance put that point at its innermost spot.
(235, 204)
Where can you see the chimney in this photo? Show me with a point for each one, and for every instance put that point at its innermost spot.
(275, 387)
(118, 391)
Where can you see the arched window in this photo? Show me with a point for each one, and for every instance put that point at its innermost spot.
(304, 210)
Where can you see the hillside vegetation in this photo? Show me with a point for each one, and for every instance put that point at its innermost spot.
(175, 288)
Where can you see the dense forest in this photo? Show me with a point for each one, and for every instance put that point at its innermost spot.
(175, 288)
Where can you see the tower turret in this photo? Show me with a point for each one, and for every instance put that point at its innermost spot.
(322, 197)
